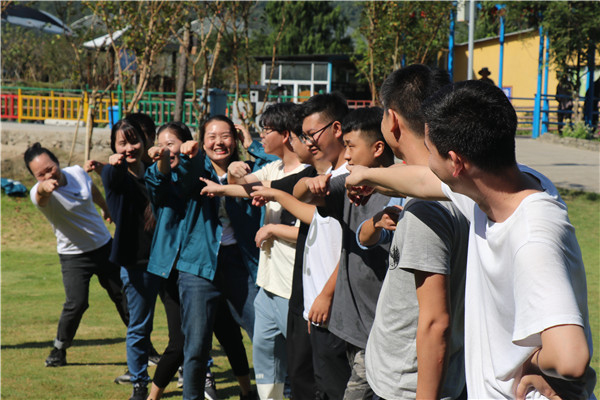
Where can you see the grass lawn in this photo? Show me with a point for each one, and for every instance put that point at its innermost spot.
(32, 296)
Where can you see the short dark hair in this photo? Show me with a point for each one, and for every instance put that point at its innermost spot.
(35, 150)
(476, 120)
(130, 129)
(280, 117)
(367, 121)
(332, 105)
(405, 89)
(180, 130)
(146, 123)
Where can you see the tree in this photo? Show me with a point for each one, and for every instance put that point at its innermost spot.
(318, 28)
(393, 33)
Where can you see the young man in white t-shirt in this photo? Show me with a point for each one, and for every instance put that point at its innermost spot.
(66, 197)
(277, 240)
(527, 332)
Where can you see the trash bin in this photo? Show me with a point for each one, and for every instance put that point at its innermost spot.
(217, 100)
(114, 115)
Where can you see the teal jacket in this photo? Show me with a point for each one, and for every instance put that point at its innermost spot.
(188, 223)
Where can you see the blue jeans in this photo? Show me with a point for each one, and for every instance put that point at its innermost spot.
(269, 348)
(141, 289)
(199, 298)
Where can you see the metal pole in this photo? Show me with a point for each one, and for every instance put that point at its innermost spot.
(535, 132)
(546, 108)
(451, 42)
(589, 94)
(501, 67)
(471, 38)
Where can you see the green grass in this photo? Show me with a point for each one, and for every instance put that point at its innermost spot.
(32, 296)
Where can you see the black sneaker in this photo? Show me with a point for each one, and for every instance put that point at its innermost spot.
(124, 379)
(140, 392)
(210, 388)
(252, 395)
(57, 358)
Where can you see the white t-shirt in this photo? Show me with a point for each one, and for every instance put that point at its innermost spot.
(276, 261)
(524, 275)
(76, 223)
(321, 252)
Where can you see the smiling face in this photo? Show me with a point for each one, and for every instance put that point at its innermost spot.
(219, 143)
(322, 141)
(43, 168)
(301, 150)
(132, 150)
(168, 139)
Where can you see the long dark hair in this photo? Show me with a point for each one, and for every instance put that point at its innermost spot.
(222, 118)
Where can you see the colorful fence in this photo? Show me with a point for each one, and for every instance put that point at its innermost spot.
(35, 104)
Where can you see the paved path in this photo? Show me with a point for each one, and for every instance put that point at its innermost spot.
(567, 167)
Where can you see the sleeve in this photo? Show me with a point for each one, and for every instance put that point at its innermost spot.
(157, 185)
(543, 293)
(462, 202)
(265, 173)
(188, 173)
(334, 202)
(425, 236)
(113, 177)
(287, 183)
(32, 193)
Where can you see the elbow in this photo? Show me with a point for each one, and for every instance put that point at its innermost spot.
(574, 366)
(435, 326)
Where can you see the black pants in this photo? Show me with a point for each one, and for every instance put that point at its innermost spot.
(330, 361)
(77, 270)
(226, 330)
(300, 359)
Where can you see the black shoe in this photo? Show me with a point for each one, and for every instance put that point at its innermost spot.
(124, 379)
(210, 388)
(57, 358)
(140, 392)
(252, 395)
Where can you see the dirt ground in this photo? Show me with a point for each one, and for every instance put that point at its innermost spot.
(15, 138)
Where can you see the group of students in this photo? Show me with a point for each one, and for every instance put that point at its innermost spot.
(453, 274)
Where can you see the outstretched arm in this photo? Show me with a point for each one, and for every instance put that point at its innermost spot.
(313, 190)
(304, 212)
(279, 231)
(213, 189)
(399, 180)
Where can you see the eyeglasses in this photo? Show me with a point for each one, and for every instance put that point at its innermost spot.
(312, 138)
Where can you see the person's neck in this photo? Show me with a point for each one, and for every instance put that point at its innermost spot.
(322, 166)
(338, 161)
(414, 151)
(290, 160)
(499, 195)
(220, 168)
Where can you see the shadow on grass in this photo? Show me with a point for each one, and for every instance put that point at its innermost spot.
(76, 343)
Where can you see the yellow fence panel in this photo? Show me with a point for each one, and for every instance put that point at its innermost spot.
(58, 107)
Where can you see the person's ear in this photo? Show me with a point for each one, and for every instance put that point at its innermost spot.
(398, 124)
(378, 148)
(337, 130)
(458, 162)
(286, 137)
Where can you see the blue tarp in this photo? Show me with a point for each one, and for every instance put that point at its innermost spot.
(13, 188)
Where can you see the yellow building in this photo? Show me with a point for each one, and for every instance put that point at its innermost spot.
(521, 57)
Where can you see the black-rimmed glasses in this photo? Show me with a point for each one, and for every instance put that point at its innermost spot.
(313, 137)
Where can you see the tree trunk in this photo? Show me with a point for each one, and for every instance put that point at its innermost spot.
(182, 63)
